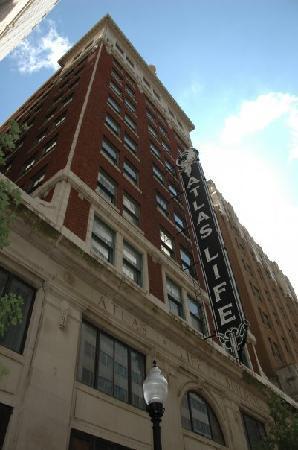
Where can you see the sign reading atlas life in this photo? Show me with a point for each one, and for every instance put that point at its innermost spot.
(226, 305)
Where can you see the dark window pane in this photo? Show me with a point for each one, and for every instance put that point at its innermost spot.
(185, 414)
(255, 431)
(121, 372)
(197, 416)
(84, 441)
(3, 281)
(137, 377)
(200, 419)
(105, 364)
(15, 335)
(87, 354)
(5, 412)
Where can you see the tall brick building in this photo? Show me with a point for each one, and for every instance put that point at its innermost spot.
(102, 252)
(268, 298)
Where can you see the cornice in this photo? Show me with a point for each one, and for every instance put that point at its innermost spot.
(101, 30)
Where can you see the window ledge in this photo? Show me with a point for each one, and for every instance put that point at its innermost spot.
(132, 183)
(110, 161)
(10, 354)
(109, 399)
(131, 152)
(204, 440)
(113, 133)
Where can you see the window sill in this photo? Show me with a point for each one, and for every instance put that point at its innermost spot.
(132, 183)
(10, 354)
(101, 396)
(110, 161)
(113, 133)
(131, 152)
(203, 440)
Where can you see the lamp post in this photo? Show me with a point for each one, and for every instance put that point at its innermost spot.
(155, 389)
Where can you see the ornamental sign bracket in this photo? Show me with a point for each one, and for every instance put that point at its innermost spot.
(230, 322)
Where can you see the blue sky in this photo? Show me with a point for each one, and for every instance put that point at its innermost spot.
(232, 65)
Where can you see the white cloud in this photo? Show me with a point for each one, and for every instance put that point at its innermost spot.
(257, 189)
(255, 115)
(41, 51)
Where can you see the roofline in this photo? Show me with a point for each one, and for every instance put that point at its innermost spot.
(107, 21)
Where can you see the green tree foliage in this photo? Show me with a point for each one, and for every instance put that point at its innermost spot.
(10, 304)
(283, 431)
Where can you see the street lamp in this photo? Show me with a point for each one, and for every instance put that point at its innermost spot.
(155, 389)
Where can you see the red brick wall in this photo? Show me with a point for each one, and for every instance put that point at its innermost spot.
(76, 217)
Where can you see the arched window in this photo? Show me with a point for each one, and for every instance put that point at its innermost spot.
(197, 416)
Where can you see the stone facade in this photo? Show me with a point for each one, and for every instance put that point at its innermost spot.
(121, 292)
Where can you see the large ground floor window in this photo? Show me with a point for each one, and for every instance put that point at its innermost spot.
(84, 441)
(5, 412)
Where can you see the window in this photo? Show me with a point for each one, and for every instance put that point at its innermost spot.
(173, 191)
(107, 187)
(131, 106)
(132, 263)
(197, 416)
(174, 298)
(49, 146)
(154, 150)
(167, 243)
(115, 89)
(36, 180)
(84, 441)
(5, 412)
(165, 146)
(157, 174)
(163, 131)
(130, 143)
(170, 168)
(117, 76)
(114, 105)
(187, 262)
(130, 61)
(131, 172)
(152, 131)
(67, 100)
(254, 431)
(110, 366)
(150, 116)
(51, 114)
(161, 203)
(197, 315)
(113, 125)
(29, 164)
(103, 240)
(59, 121)
(110, 151)
(131, 123)
(42, 136)
(146, 82)
(179, 222)
(15, 335)
(119, 50)
(130, 90)
(131, 209)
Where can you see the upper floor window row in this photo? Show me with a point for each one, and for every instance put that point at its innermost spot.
(103, 244)
(103, 241)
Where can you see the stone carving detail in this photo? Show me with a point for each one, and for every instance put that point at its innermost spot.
(64, 313)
